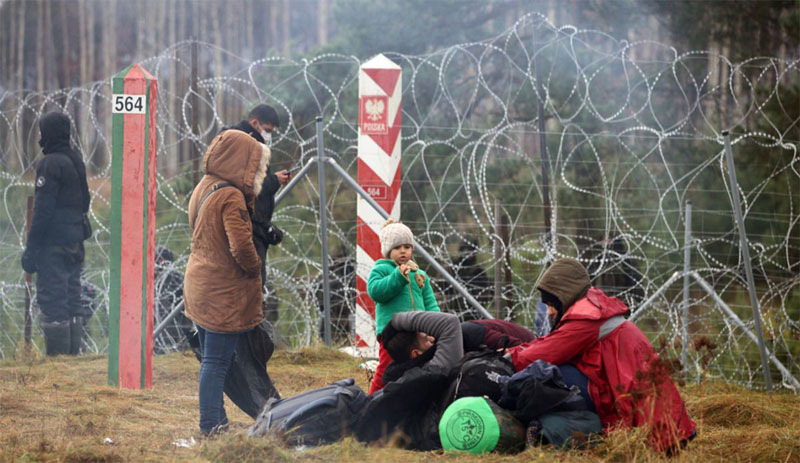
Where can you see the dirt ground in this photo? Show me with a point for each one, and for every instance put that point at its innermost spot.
(61, 410)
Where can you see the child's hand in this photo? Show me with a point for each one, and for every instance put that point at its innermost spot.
(404, 269)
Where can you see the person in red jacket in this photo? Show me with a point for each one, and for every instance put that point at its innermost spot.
(628, 385)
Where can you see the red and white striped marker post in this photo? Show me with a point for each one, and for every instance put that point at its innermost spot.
(133, 220)
(379, 173)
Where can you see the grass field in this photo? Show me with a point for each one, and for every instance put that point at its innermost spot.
(60, 410)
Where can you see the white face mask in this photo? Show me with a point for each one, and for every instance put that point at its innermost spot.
(267, 136)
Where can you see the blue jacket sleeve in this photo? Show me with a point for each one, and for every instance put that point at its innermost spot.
(428, 298)
(383, 286)
(48, 184)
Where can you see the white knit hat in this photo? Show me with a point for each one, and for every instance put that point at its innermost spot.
(394, 234)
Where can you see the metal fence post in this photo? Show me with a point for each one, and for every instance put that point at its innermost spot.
(748, 268)
(323, 223)
(498, 259)
(687, 258)
(28, 278)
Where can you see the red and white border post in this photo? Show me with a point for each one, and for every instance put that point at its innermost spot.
(379, 174)
(133, 220)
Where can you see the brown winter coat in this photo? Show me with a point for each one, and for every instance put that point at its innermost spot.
(222, 289)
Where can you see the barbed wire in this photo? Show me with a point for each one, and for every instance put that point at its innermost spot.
(632, 131)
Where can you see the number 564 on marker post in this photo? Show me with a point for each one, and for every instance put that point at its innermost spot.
(127, 104)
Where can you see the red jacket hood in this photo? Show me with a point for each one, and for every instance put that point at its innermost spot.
(595, 306)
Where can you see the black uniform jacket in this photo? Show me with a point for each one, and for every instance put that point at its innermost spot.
(62, 193)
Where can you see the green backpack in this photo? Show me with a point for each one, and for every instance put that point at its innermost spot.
(477, 425)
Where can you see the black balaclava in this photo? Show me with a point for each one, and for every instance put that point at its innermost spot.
(567, 281)
(551, 299)
(54, 130)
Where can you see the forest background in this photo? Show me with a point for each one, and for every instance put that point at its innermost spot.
(80, 44)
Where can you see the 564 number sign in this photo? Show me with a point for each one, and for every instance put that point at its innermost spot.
(127, 104)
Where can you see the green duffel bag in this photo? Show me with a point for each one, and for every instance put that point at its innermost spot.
(477, 425)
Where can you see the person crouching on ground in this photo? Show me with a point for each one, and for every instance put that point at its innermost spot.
(396, 284)
(628, 384)
(222, 289)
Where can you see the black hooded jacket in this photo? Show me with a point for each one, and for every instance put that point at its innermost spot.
(265, 201)
(62, 193)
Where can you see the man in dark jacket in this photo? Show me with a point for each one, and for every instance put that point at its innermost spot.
(58, 229)
(261, 121)
(410, 335)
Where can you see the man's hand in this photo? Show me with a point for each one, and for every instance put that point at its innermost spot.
(283, 176)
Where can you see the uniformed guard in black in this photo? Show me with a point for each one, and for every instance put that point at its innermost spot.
(55, 242)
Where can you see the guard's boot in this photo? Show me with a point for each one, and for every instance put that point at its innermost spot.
(57, 337)
(76, 325)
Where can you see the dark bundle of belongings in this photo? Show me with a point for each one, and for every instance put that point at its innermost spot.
(247, 383)
(479, 406)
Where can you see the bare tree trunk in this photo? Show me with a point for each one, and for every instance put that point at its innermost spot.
(66, 72)
(90, 45)
(725, 90)
(249, 20)
(155, 38)
(40, 7)
(110, 39)
(168, 163)
(274, 9)
(286, 20)
(82, 38)
(185, 30)
(713, 77)
(109, 67)
(202, 68)
(218, 64)
(51, 69)
(140, 29)
(21, 77)
(7, 30)
(90, 73)
(21, 47)
(322, 23)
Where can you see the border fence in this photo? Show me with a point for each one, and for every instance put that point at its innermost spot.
(543, 142)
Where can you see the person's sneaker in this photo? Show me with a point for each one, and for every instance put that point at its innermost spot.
(533, 434)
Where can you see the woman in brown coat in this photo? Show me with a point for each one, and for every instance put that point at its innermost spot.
(222, 289)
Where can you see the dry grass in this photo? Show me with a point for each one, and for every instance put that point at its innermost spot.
(60, 410)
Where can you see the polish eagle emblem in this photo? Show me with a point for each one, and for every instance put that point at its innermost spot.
(374, 109)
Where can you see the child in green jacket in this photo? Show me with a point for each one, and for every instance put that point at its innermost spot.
(396, 284)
